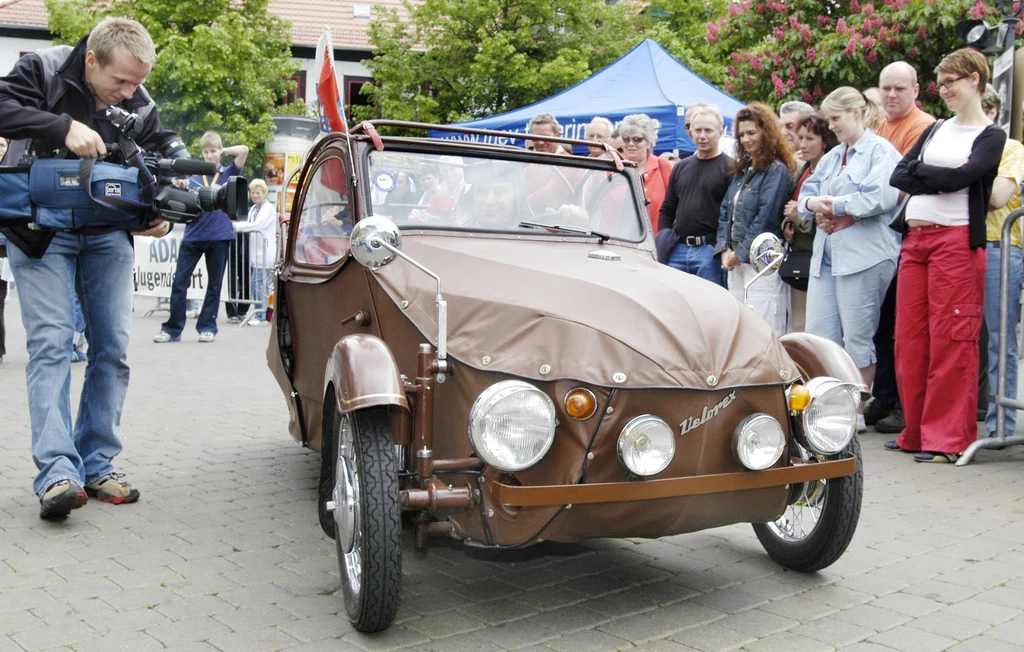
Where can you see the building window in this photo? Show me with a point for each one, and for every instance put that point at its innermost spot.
(361, 11)
(352, 95)
(299, 92)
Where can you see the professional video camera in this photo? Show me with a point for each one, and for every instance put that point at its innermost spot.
(64, 194)
(171, 202)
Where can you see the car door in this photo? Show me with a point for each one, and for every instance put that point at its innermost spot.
(320, 291)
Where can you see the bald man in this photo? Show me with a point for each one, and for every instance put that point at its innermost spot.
(902, 126)
(903, 122)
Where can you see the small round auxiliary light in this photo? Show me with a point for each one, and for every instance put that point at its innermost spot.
(580, 403)
(799, 398)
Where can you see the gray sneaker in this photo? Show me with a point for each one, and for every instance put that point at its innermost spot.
(207, 336)
(110, 488)
(60, 498)
(163, 337)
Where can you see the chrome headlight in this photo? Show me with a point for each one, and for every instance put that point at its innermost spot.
(830, 418)
(758, 442)
(512, 425)
(646, 445)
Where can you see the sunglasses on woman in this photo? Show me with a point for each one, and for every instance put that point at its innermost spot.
(636, 140)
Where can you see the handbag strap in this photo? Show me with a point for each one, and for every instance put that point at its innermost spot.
(920, 156)
(928, 138)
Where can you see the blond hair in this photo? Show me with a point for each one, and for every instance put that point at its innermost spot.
(703, 108)
(260, 184)
(210, 139)
(118, 32)
(847, 98)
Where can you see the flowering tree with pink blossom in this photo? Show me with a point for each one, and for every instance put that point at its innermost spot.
(779, 50)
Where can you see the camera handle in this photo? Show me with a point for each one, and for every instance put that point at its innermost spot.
(115, 203)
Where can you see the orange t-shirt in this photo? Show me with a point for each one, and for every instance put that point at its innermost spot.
(903, 133)
(656, 176)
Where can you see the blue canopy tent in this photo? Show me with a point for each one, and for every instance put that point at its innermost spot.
(647, 79)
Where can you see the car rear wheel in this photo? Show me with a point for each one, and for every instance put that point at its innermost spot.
(367, 518)
(817, 527)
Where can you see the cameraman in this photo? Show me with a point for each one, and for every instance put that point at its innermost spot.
(51, 99)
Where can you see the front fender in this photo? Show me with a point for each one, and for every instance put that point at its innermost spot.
(815, 356)
(364, 374)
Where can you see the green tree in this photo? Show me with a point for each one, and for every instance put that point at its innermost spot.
(221, 64)
(454, 60)
(680, 26)
(778, 50)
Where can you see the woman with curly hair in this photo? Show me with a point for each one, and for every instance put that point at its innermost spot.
(762, 169)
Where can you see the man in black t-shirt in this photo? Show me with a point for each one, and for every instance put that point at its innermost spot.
(694, 197)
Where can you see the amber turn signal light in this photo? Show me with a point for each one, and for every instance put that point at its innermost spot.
(799, 398)
(580, 403)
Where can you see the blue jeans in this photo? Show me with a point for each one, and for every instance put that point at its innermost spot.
(260, 286)
(699, 261)
(102, 265)
(846, 308)
(189, 253)
(992, 322)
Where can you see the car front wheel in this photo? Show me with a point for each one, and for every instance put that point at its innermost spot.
(367, 518)
(816, 528)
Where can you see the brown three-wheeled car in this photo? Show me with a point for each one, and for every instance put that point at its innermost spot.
(481, 336)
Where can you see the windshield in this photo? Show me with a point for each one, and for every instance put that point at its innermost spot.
(460, 192)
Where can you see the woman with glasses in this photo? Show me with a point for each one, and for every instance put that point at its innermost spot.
(638, 137)
(940, 294)
(761, 177)
(855, 251)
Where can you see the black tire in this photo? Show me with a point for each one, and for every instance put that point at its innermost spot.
(367, 517)
(819, 546)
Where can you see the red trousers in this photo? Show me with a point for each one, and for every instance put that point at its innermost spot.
(939, 307)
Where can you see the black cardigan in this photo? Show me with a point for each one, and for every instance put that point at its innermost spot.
(979, 172)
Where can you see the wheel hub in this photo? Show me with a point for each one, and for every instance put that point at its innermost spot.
(346, 489)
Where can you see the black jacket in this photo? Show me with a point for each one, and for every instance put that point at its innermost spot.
(915, 177)
(38, 100)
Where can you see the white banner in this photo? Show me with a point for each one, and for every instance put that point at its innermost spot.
(155, 263)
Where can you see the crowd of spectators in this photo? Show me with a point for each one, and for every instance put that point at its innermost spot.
(896, 220)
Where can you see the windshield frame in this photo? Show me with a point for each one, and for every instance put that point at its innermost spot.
(505, 154)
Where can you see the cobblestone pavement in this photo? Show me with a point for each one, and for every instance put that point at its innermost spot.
(223, 552)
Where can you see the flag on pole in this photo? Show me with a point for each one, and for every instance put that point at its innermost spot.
(328, 94)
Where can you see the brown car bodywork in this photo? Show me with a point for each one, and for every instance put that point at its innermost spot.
(643, 338)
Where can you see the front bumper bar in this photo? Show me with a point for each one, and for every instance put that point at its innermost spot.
(618, 492)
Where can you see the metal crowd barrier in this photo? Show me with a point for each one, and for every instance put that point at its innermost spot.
(1000, 441)
(248, 256)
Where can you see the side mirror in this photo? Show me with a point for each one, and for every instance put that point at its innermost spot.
(766, 254)
(366, 239)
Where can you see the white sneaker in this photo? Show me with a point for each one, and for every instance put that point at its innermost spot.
(207, 336)
(163, 337)
(861, 426)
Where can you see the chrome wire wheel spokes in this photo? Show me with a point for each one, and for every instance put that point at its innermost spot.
(347, 511)
(820, 519)
(802, 517)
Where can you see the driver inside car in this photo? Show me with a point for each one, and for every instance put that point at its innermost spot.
(497, 200)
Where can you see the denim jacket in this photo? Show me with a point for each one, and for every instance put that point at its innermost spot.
(752, 205)
(864, 193)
